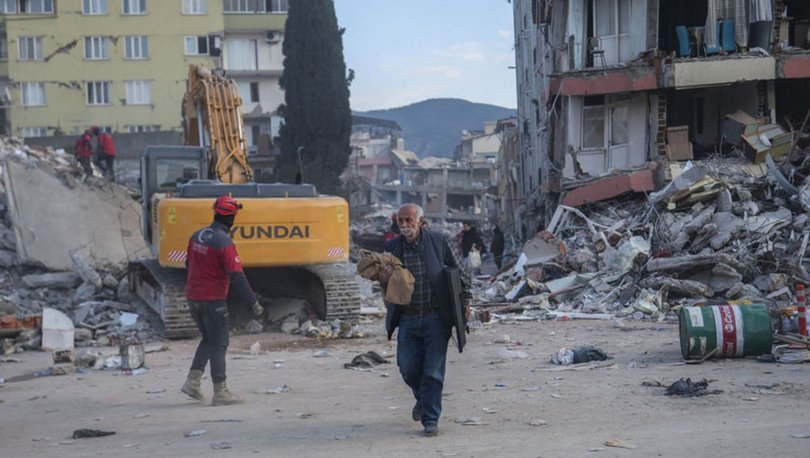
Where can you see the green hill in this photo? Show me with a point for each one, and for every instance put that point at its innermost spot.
(433, 127)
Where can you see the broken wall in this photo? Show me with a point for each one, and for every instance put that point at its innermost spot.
(704, 109)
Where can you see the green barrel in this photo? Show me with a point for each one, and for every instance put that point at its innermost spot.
(738, 330)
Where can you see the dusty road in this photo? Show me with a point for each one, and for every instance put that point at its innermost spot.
(336, 412)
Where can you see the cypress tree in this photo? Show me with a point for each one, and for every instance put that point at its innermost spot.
(316, 112)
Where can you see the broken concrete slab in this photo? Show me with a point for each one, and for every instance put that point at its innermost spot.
(610, 187)
(85, 270)
(766, 223)
(51, 280)
(681, 288)
(727, 227)
(682, 263)
(105, 220)
(543, 248)
(719, 278)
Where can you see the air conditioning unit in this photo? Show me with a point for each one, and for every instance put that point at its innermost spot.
(271, 37)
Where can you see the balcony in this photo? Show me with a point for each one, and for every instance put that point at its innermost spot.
(235, 22)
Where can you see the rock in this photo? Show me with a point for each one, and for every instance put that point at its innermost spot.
(8, 308)
(724, 201)
(62, 369)
(86, 357)
(84, 293)
(6, 347)
(86, 271)
(8, 258)
(51, 280)
(82, 334)
(771, 282)
(253, 327)
(122, 292)
(290, 325)
(110, 281)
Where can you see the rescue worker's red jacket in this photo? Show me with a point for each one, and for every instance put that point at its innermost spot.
(82, 148)
(214, 266)
(105, 144)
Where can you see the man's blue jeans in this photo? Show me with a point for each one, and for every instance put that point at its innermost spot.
(421, 357)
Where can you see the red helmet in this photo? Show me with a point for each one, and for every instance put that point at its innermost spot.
(226, 206)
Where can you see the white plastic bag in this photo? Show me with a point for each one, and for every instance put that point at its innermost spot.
(473, 259)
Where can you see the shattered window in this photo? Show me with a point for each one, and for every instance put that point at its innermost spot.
(618, 125)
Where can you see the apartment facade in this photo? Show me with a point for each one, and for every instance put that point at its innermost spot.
(122, 64)
(600, 82)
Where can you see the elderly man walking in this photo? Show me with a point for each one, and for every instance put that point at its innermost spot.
(424, 324)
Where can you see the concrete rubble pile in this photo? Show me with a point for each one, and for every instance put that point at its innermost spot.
(64, 245)
(722, 230)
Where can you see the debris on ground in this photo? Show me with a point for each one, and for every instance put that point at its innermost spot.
(366, 361)
(686, 388)
(85, 433)
(567, 356)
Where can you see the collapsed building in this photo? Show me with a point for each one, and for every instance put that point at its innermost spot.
(606, 87)
(381, 171)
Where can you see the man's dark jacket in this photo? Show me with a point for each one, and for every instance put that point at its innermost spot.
(432, 250)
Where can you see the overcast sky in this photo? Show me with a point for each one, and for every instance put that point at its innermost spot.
(408, 51)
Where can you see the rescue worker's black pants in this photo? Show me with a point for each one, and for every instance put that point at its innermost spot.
(107, 165)
(212, 321)
(85, 163)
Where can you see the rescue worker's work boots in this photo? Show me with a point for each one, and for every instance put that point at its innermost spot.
(192, 386)
(223, 397)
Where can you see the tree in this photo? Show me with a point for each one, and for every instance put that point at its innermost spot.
(317, 117)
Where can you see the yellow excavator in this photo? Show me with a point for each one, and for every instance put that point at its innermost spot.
(292, 241)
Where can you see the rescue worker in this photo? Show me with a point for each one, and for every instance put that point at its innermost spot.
(213, 269)
(105, 153)
(83, 151)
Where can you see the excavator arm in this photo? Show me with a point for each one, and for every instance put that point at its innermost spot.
(212, 118)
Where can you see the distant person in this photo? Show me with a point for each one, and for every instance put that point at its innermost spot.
(497, 246)
(105, 153)
(471, 238)
(83, 151)
(214, 269)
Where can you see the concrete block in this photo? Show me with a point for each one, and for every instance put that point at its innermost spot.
(51, 280)
(57, 330)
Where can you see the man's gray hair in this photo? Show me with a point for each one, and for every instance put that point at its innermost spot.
(419, 212)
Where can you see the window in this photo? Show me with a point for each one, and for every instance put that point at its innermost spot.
(8, 6)
(94, 7)
(241, 54)
(3, 47)
(249, 91)
(593, 122)
(142, 128)
(35, 132)
(134, 6)
(196, 46)
(96, 48)
(36, 6)
(195, 6)
(30, 48)
(98, 92)
(254, 6)
(136, 47)
(139, 92)
(33, 94)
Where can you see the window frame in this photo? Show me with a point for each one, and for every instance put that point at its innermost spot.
(30, 84)
(126, 4)
(195, 7)
(37, 47)
(199, 39)
(142, 47)
(104, 44)
(47, 7)
(5, 3)
(140, 87)
(107, 85)
(95, 8)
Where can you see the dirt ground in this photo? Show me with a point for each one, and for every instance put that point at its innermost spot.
(525, 407)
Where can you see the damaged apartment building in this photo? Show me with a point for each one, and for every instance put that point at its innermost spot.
(605, 87)
(382, 171)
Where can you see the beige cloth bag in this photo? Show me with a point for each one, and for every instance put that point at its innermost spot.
(400, 286)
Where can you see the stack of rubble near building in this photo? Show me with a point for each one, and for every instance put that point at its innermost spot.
(722, 230)
(64, 244)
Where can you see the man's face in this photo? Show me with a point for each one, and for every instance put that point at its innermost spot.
(409, 223)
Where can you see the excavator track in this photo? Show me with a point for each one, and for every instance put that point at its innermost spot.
(342, 290)
(164, 291)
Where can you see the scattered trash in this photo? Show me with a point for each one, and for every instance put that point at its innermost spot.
(195, 433)
(366, 361)
(279, 390)
(801, 436)
(537, 422)
(508, 355)
(471, 421)
(619, 443)
(322, 353)
(567, 356)
(255, 348)
(222, 445)
(85, 433)
(687, 388)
